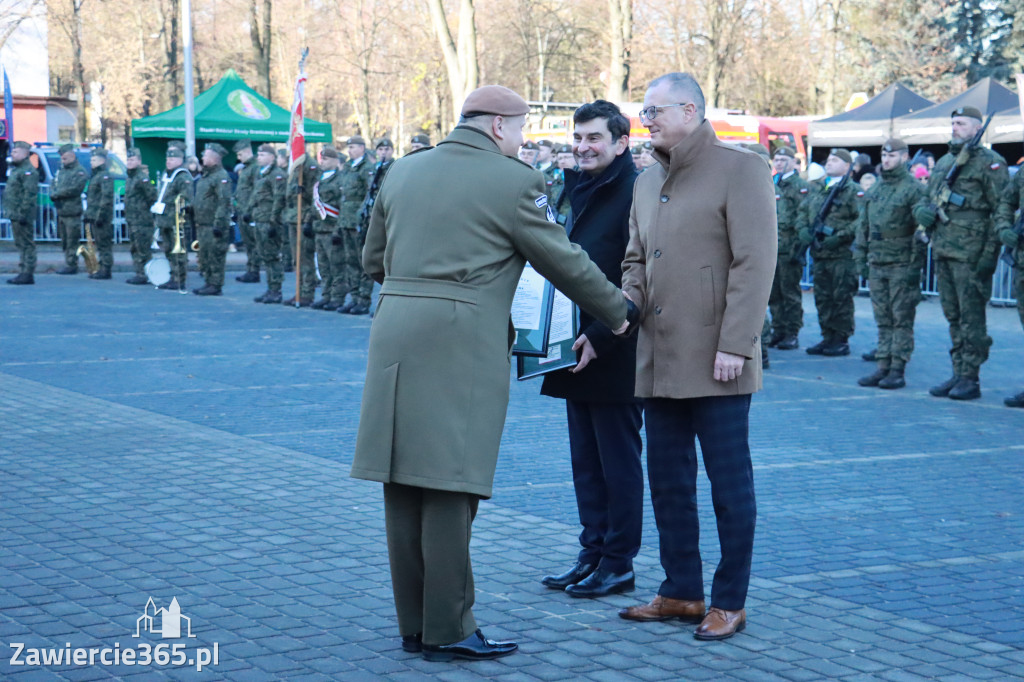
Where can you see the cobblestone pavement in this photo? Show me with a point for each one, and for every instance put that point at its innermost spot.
(167, 446)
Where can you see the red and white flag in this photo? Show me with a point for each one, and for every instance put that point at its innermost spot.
(297, 131)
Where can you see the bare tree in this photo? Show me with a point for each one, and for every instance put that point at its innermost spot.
(461, 58)
(168, 11)
(621, 26)
(12, 14)
(260, 38)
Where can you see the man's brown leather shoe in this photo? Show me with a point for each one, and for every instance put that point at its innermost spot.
(663, 608)
(721, 624)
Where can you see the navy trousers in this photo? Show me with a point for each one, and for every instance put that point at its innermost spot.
(604, 442)
(721, 425)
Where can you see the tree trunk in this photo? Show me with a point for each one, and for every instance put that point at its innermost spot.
(621, 14)
(169, 32)
(78, 69)
(259, 35)
(461, 59)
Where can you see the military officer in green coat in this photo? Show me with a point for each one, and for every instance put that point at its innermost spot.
(243, 192)
(265, 206)
(965, 248)
(66, 194)
(99, 212)
(1010, 203)
(451, 230)
(139, 195)
(786, 300)
(328, 237)
(890, 257)
(21, 203)
(835, 276)
(175, 182)
(212, 212)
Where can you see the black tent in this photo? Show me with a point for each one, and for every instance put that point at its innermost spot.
(931, 125)
(1007, 126)
(870, 124)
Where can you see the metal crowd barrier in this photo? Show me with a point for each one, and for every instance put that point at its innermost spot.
(46, 218)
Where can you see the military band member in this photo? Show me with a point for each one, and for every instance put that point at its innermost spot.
(356, 175)
(328, 238)
(139, 195)
(786, 301)
(265, 206)
(66, 194)
(1012, 201)
(212, 210)
(243, 193)
(99, 212)
(175, 182)
(891, 258)
(21, 204)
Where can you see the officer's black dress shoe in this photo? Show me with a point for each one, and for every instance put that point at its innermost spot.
(570, 577)
(476, 647)
(601, 583)
(412, 643)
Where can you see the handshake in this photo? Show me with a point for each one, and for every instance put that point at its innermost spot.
(629, 327)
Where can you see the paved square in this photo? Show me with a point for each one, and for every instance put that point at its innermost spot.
(167, 446)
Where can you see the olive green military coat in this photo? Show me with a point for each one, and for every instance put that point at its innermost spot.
(450, 232)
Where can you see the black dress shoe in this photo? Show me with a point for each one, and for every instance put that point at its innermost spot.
(476, 647)
(601, 583)
(412, 643)
(570, 577)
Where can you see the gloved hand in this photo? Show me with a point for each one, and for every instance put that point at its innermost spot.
(307, 232)
(632, 317)
(833, 242)
(985, 269)
(1009, 238)
(925, 216)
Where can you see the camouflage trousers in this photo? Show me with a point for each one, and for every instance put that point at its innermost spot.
(103, 236)
(252, 256)
(268, 247)
(287, 248)
(213, 253)
(786, 299)
(835, 283)
(894, 299)
(69, 229)
(329, 261)
(25, 243)
(177, 261)
(307, 269)
(1018, 288)
(964, 297)
(141, 236)
(357, 283)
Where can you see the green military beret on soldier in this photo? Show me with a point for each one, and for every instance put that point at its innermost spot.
(758, 149)
(180, 144)
(383, 142)
(21, 144)
(894, 144)
(217, 149)
(787, 151)
(969, 112)
(566, 149)
(420, 138)
(531, 145)
(98, 151)
(356, 139)
(242, 144)
(174, 151)
(330, 152)
(841, 154)
(546, 143)
(65, 148)
(133, 151)
(282, 152)
(267, 149)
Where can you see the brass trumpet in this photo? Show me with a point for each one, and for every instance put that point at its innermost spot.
(195, 245)
(179, 225)
(88, 251)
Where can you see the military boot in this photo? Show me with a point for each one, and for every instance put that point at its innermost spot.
(249, 277)
(346, 308)
(775, 339)
(875, 378)
(170, 284)
(272, 297)
(208, 290)
(836, 348)
(1015, 400)
(966, 389)
(790, 342)
(332, 306)
(817, 348)
(321, 304)
(870, 356)
(137, 279)
(68, 270)
(23, 278)
(894, 379)
(942, 390)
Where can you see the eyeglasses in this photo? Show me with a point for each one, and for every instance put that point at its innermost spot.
(651, 113)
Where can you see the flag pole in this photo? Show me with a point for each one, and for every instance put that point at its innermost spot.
(297, 157)
(190, 107)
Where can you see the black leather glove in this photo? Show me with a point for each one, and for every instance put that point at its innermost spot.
(307, 232)
(632, 317)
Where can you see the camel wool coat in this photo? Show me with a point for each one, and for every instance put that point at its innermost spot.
(451, 230)
(699, 265)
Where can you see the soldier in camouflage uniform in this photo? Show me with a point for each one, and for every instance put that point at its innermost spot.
(139, 195)
(1012, 201)
(265, 206)
(419, 141)
(965, 248)
(99, 212)
(212, 210)
(835, 276)
(66, 194)
(175, 182)
(309, 172)
(287, 236)
(21, 203)
(891, 258)
(549, 169)
(243, 193)
(356, 175)
(566, 160)
(330, 243)
(786, 300)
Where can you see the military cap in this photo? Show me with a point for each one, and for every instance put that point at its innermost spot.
(863, 159)
(217, 149)
(282, 152)
(175, 151)
(241, 144)
(421, 138)
(65, 148)
(565, 149)
(841, 153)
(894, 144)
(192, 159)
(176, 143)
(546, 143)
(785, 150)
(98, 151)
(383, 142)
(20, 144)
(332, 153)
(531, 145)
(636, 150)
(133, 151)
(266, 148)
(648, 145)
(356, 139)
(969, 112)
(494, 99)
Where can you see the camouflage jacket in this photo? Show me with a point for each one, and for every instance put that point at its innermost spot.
(355, 183)
(1010, 201)
(267, 198)
(310, 174)
(212, 202)
(968, 236)
(177, 184)
(66, 190)
(139, 195)
(21, 196)
(552, 183)
(330, 191)
(245, 186)
(99, 204)
(380, 171)
(842, 218)
(885, 231)
(790, 191)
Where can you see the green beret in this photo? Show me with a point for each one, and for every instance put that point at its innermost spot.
(20, 144)
(240, 145)
(531, 145)
(420, 138)
(329, 152)
(65, 148)
(894, 144)
(356, 139)
(565, 149)
(969, 112)
(785, 151)
(99, 151)
(282, 152)
(265, 148)
(180, 144)
(758, 149)
(383, 142)
(173, 151)
(133, 151)
(842, 154)
(217, 148)
(546, 143)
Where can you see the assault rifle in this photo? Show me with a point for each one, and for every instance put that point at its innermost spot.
(944, 195)
(1009, 255)
(917, 155)
(818, 227)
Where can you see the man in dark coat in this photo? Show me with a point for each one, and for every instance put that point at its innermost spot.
(604, 416)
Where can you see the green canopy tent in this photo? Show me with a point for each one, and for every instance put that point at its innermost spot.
(228, 111)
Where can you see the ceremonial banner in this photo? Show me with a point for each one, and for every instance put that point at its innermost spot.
(297, 132)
